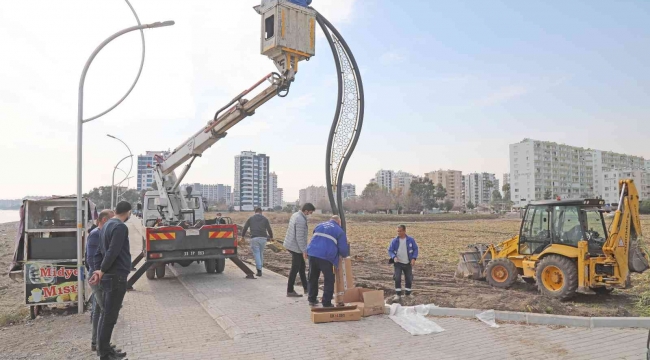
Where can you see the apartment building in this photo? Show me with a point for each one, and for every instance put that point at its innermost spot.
(452, 181)
(349, 191)
(146, 165)
(384, 178)
(609, 180)
(279, 197)
(393, 180)
(506, 179)
(251, 188)
(605, 161)
(479, 187)
(314, 195)
(212, 193)
(273, 188)
(539, 168)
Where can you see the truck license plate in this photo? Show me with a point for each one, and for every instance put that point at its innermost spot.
(192, 232)
(193, 253)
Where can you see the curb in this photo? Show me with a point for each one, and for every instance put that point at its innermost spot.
(229, 326)
(545, 319)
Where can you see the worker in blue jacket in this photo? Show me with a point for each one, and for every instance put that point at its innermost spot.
(327, 244)
(403, 251)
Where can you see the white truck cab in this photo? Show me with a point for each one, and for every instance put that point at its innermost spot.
(195, 211)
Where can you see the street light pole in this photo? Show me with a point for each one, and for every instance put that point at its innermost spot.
(113, 181)
(80, 122)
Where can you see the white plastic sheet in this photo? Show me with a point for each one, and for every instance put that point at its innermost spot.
(488, 317)
(413, 320)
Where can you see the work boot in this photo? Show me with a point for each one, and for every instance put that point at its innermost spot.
(313, 303)
(259, 272)
(95, 348)
(397, 298)
(119, 353)
(293, 294)
(328, 305)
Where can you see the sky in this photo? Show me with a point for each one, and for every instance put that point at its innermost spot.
(448, 85)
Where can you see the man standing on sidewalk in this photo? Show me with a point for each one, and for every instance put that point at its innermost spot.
(403, 251)
(327, 245)
(113, 275)
(296, 243)
(260, 233)
(93, 262)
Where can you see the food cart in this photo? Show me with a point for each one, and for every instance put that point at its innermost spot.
(48, 242)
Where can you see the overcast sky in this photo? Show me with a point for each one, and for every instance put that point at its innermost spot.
(448, 85)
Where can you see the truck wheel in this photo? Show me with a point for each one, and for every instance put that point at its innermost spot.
(160, 271)
(221, 265)
(557, 277)
(210, 265)
(151, 273)
(501, 273)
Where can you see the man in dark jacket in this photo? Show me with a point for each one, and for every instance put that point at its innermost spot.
(328, 243)
(403, 251)
(112, 275)
(93, 262)
(260, 233)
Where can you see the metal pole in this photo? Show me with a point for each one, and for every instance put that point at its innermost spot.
(80, 122)
(113, 181)
(127, 147)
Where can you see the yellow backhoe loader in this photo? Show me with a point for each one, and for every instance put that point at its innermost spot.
(565, 247)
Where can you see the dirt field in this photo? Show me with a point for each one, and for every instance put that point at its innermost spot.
(434, 282)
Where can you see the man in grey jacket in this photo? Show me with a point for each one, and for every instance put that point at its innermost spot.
(260, 233)
(296, 243)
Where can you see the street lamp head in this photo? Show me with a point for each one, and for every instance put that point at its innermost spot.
(161, 24)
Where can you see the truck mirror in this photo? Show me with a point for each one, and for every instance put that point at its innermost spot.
(139, 206)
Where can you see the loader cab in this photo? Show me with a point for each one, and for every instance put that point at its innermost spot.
(563, 222)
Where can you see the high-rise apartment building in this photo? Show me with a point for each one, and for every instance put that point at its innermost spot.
(393, 180)
(146, 164)
(479, 187)
(452, 181)
(604, 161)
(251, 188)
(543, 169)
(348, 191)
(384, 178)
(273, 188)
(279, 197)
(610, 178)
(506, 179)
(314, 195)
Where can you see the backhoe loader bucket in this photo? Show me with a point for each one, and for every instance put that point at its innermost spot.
(470, 265)
(637, 258)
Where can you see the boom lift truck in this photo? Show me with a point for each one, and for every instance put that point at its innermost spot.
(176, 231)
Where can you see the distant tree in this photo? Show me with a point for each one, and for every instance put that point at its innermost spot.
(448, 205)
(323, 204)
(496, 196)
(371, 190)
(424, 190)
(470, 205)
(548, 194)
(101, 196)
(288, 209)
(277, 208)
(412, 204)
(441, 192)
(505, 187)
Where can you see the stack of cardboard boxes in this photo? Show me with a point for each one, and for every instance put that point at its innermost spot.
(352, 302)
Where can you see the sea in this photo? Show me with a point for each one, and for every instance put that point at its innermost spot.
(9, 216)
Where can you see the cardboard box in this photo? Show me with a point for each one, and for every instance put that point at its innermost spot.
(370, 302)
(335, 316)
(344, 279)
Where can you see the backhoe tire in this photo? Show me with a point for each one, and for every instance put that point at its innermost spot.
(151, 273)
(221, 265)
(501, 273)
(160, 271)
(557, 277)
(210, 265)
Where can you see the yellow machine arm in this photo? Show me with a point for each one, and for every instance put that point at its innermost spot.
(625, 233)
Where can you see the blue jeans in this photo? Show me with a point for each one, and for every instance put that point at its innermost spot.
(98, 306)
(257, 247)
(114, 287)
